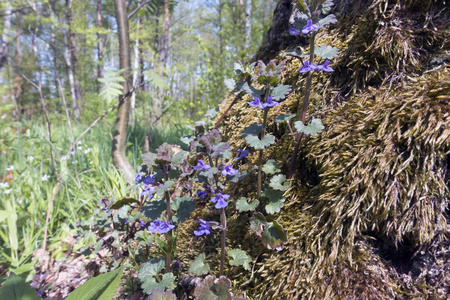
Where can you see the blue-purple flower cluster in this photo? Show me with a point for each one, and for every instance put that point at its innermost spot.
(313, 67)
(257, 103)
(149, 185)
(242, 154)
(309, 27)
(158, 226)
(204, 229)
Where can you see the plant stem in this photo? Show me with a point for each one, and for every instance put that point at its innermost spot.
(223, 221)
(260, 154)
(304, 107)
(168, 234)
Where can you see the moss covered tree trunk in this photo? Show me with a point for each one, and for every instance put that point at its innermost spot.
(123, 112)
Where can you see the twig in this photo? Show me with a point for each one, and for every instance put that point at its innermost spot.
(131, 14)
(67, 111)
(58, 183)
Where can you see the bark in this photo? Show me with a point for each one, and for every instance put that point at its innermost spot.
(74, 59)
(135, 72)
(99, 41)
(69, 70)
(5, 35)
(123, 112)
(164, 53)
(248, 23)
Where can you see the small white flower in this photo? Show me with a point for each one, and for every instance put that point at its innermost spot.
(10, 168)
(79, 143)
(7, 191)
(87, 150)
(80, 148)
(75, 161)
(45, 177)
(30, 158)
(64, 157)
(3, 185)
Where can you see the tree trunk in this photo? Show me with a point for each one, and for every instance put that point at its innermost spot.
(74, 59)
(5, 35)
(248, 23)
(135, 72)
(123, 112)
(99, 41)
(164, 53)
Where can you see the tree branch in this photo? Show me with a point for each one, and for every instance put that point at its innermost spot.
(131, 14)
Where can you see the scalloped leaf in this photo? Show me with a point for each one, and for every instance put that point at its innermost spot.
(280, 92)
(274, 236)
(124, 201)
(251, 91)
(150, 284)
(187, 139)
(151, 268)
(166, 186)
(209, 173)
(240, 258)
(198, 267)
(283, 118)
(254, 129)
(271, 167)
(149, 159)
(160, 295)
(211, 113)
(258, 223)
(213, 289)
(278, 182)
(258, 144)
(293, 52)
(230, 83)
(183, 206)
(242, 204)
(326, 52)
(276, 200)
(314, 128)
(153, 210)
(330, 19)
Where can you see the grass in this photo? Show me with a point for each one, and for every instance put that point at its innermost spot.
(88, 176)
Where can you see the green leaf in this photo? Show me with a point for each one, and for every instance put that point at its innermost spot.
(198, 267)
(278, 182)
(209, 173)
(326, 6)
(251, 91)
(124, 201)
(240, 258)
(211, 113)
(213, 289)
(280, 92)
(166, 186)
(154, 209)
(254, 129)
(4, 214)
(326, 52)
(160, 295)
(102, 287)
(276, 200)
(274, 236)
(187, 139)
(230, 83)
(151, 268)
(293, 52)
(151, 284)
(258, 144)
(149, 159)
(156, 80)
(283, 118)
(178, 159)
(15, 288)
(183, 206)
(313, 128)
(258, 223)
(330, 19)
(271, 167)
(243, 205)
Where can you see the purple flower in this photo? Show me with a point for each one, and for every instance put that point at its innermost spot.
(325, 67)
(294, 31)
(126, 221)
(219, 199)
(256, 103)
(202, 194)
(148, 191)
(307, 67)
(270, 103)
(205, 228)
(161, 227)
(310, 27)
(139, 178)
(140, 222)
(201, 166)
(149, 180)
(243, 153)
(228, 170)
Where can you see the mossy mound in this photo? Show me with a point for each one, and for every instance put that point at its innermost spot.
(367, 211)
